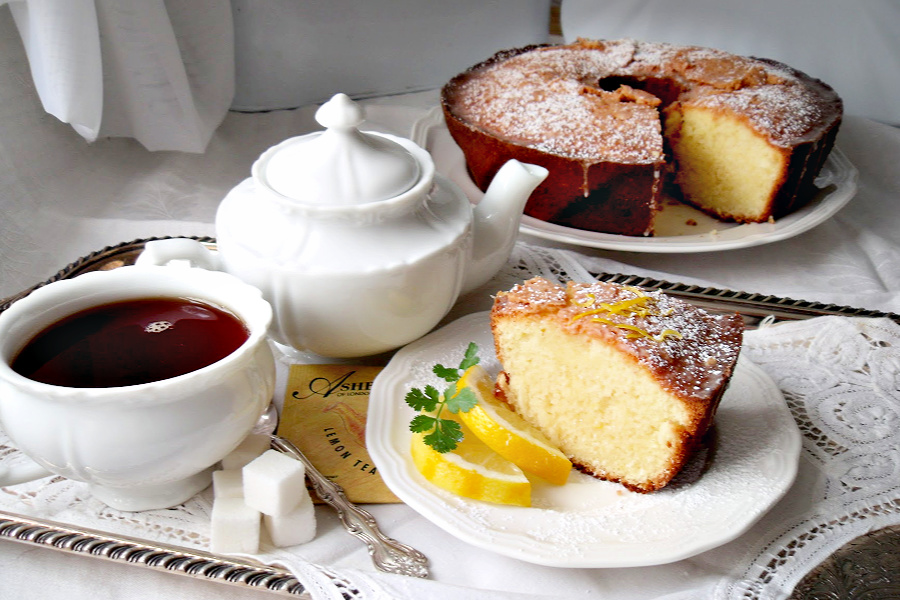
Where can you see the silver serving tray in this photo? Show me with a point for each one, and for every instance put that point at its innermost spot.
(152, 555)
(754, 308)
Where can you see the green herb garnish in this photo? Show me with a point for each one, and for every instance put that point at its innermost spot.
(443, 435)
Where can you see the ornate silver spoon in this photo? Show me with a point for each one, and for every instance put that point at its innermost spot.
(388, 554)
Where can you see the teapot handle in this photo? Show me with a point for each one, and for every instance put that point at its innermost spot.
(179, 252)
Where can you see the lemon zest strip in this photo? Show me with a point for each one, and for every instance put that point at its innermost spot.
(589, 302)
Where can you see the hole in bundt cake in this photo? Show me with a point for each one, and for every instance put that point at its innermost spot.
(611, 84)
(666, 90)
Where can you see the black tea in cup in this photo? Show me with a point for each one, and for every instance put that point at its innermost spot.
(130, 342)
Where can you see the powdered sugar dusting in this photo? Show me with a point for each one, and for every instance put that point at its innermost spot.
(692, 362)
(544, 99)
(790, 114)
(550, 98)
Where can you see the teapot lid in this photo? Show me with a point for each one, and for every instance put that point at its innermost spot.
(340, 165)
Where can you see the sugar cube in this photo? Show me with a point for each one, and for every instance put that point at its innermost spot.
(250, 448)
(274, 483)
(234, 526)
(228, 483)
(296, 527)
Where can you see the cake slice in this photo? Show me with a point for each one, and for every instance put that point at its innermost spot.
(624, 381)
(729, 165)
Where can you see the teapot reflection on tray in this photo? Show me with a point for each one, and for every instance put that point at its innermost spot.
(355, 240)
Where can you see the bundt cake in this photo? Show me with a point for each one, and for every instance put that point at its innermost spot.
(616, 122)
(624, 381)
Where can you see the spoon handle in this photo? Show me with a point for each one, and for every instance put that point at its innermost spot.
(388, 554)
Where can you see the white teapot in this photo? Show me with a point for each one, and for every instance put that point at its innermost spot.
(354, 239)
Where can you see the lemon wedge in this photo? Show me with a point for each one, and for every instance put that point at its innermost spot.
(472, 470)
(508, 434)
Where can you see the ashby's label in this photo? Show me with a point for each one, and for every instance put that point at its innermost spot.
(325, 416)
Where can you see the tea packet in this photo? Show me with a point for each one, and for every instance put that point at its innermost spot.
(324, 415)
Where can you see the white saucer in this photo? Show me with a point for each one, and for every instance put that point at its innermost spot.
(836, 182)
(587, 522)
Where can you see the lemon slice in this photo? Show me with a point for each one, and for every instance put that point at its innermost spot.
(508, 434)
(472, 470)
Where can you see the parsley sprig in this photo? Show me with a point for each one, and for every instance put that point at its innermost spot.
(443, 434)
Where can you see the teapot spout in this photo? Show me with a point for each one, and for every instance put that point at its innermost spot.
(496, 222)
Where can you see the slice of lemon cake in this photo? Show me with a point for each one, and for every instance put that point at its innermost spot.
(624, 381)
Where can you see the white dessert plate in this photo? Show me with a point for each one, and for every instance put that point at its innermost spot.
(680, 228)
(588, 522)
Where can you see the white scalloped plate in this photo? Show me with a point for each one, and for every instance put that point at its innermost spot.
(587, 522)
(836, 183)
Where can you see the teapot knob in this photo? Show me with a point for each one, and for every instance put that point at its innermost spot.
(340, 113)
(340, 166)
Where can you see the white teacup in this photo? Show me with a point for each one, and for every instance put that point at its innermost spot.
(145, 446)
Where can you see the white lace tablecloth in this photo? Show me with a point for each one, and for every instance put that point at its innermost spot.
(840, 379)
(61, 199)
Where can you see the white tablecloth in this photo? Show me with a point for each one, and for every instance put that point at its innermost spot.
(62, 198)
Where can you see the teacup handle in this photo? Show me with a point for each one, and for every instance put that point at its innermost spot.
(17, 468)
(178, 250)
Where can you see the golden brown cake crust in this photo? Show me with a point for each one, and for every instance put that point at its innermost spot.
(553, 97)
(590, 112)
(692, 360)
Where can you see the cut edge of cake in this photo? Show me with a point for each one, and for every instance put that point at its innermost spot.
(632, 410)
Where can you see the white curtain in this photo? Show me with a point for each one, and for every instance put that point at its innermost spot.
(160, 71)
